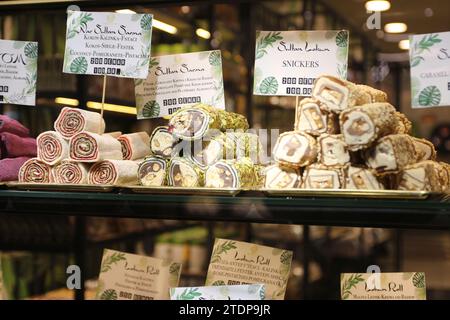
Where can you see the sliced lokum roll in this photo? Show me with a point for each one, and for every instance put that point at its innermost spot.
(422, 176)
(445, 176)
(404, 126)
(114, 172)
(361, 179)
(163, 143)
(362, 125)
(135, 145)
(333, 150)
(68, 172)
(391, 153)
(295, 149)
(282, 178)
(35, 170)
(52, 148)
(425, 149)
(184, 173)
(92, 147)
(153, 172)
(320, 177)
(114, 134)
(231, 174)
(310, 118)
(192, 123)
(72, 121)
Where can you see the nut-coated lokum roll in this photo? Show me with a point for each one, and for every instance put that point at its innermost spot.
(114, 172)
(391, 154)
(404, 126)
(362, 125)
(310, 118)
(231, 174)
(184, 173)
(295, 149)
(358, 178)
(374, 94)
(248, 145)
(192, 123)
(52, 148)
(282, 177)
(425, 149)
(92, 147)
(163, 143)
(422, 176)
(153, 172)
(333, 150)
(35, 170)
(68, 172)
(320, 177)
(135, 145)
(72, 121)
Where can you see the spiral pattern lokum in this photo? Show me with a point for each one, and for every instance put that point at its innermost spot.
(70, 173)
(114, 172)
(35, 170)
(72, 121)
(52, 148)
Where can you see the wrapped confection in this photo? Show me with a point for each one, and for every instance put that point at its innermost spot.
(310, 118)
(358, 178)
(92, 147)
(153, 172)
(192, 123)
(35, 170)
(317, 176)
(10, 125)
(295, 149)
(163, 143)
(425, 149)
(232, 174)
(404, 126)
(421, 176)
(337, 94)
(362, 125)
(184, 173)
(260, 173)
(9, 168)
(277, 177)
(72, 121)
(14, 146)
(391, 153)
(68, 172)
(114, 172)
(444, 174)
(135, 145)
(114, 134)
(333, 150)
(52, 148)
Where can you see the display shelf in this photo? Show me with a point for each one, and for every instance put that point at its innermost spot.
(431, 213)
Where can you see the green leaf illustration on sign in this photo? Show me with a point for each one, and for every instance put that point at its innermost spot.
(218, 283)
(108, 262)
(419, 280)
(215, 58)
(222, 248)
(342, 39)
(266, 41)
(151, 109)
(269, 86)
(189, 294)
(31, 50)
(153, 63)
(421, 46)
(146, 22)
(79, 65)
(430, 96)
(286, 257)
(109, 294)
(349, 284)
(174, 268)
(78, 22)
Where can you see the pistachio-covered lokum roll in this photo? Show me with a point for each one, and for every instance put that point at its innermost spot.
(317, 176)
(184, 173)
(192, 123)
(163, 143)
(421, 176)
(333, 150)
(362, 125)
(295, 149)
(391, 154)
(361, 179)
(310, 118)
(152, 172)
(425, 149)
(231, 174)
(135, 145)
(282, 177)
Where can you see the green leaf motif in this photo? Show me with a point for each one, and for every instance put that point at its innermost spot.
(349, 284)
(430, 96)
(262, 293)
(222, 248)
(109, 294)
(423, 45)
(79, 65)
(108, 262)
(146, 22)
(415, 61)
(286, 257)
(31, 50)
(267, 41)
(342, 39)
(419, 280)
(269, 86)
(218, 283)
(153, 63)
(151, 109)
(189, 294)
(75, 24)
(174, 269)
(215, 58)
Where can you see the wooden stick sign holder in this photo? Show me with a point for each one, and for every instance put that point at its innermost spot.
(103, 102)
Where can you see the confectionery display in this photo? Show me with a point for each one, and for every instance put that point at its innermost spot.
(333, 150)
(152, 172)
(295, 149)
(277, 177)
(52, 147)
(184, 173)
(358, 178)
(232, 174)
(135, 145)
(114, 172)
(72, 121)
(69, 172)
(92, 147)
(163, 143)
(317, 176)
(36, 171)
(313, 119)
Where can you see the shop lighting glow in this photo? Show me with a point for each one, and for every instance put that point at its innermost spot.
(202, 33)
(67, 101)
(395, 27)
(128, 11)
(164, 26)
(111, 107)
(404, 44)
(378, 5)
